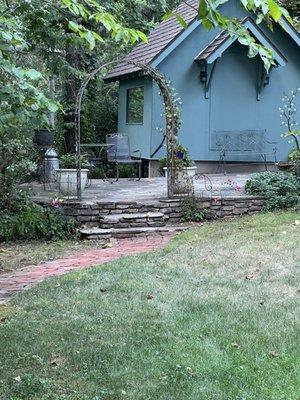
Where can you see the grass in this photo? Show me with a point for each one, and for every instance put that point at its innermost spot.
(214, 316)
(17, 255)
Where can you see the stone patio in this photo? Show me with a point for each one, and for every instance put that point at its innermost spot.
(146, 189)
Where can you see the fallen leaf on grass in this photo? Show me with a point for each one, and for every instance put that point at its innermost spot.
(189, 370)
(274, 354)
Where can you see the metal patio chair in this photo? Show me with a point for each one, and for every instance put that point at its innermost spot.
(119, 152)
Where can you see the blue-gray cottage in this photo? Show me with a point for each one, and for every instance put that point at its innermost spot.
(228, 100)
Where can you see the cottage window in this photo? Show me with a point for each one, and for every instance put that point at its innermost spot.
(135, 106)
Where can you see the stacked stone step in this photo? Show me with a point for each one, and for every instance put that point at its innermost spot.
(99, 233)
(132, 220)
(95, 214)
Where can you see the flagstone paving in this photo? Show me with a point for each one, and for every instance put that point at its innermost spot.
(16, 281)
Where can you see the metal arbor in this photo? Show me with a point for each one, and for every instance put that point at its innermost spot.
(172, 117)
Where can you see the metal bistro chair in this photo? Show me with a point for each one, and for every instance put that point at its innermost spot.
(119, 152)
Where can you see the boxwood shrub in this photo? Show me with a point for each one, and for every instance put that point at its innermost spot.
(279, 189)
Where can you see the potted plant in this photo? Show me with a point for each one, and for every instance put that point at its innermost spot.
(44, 137)
(67, 175)
(185, 166)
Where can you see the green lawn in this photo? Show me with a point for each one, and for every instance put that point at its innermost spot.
(223, 323)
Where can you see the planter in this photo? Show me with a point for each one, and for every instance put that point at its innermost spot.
(189, 171)
(183, 179)
(67, 181)
(44, 137)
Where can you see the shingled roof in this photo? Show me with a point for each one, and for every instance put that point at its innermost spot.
(160, 38)
(213, 46)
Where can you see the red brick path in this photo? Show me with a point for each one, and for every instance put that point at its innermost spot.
(18, 280)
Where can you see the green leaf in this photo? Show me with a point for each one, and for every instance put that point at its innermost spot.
(168, 15)
(181, 21)
(245, 3)
(90, 39)
(207, 24)
(203, 9)
(98, 37)
(33, 74)
(52, 107)
(253, 50)
(143, 36)
(73, 26)
(275, 10)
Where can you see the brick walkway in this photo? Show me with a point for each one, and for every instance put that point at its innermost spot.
(13, 282)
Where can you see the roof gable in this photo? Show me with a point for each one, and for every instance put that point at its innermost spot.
(223, 41)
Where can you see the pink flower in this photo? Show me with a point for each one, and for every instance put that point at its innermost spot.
(55, 203)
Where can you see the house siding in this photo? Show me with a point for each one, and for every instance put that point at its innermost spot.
(232, 102)
(139, 134)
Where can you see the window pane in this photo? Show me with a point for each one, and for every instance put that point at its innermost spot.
(135, 106)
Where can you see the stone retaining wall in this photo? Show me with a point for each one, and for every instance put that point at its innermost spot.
(90, 214)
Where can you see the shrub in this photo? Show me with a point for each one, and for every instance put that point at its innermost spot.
(25, 220)
(69, 161)
(191, 210)
(280, 190)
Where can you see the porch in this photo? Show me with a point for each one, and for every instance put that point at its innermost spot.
(146, 189)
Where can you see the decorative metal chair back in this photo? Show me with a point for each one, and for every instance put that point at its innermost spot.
(120, 149)
(251, 141)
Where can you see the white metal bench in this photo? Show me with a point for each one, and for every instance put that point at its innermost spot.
(250, 144)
